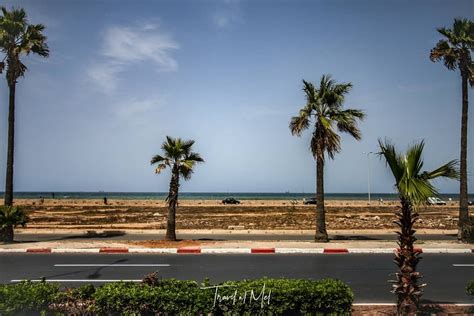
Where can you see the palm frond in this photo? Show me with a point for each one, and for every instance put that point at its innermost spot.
(171, 147)
(335, 94)
(444, 51)
(416, 190)
(346, 121)
(325, 105)
(309, 91)
(12, 216)
(177, 154)
(449, 170)
(186, 171)
(461, 29)
(158, 159)
(448, 33)
(160, 167)
(300, 123)
(393, 160)
(35, 41)
(332, 144)
(456, 44)
(325, 139)
(193, 156)
(414, 160)
(162, 162)
(17, 37)
(186, 146)
(413, 184)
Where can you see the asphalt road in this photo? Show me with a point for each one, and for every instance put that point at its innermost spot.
(367, 274)
(117, 235)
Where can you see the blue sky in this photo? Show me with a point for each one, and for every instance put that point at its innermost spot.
(123, 74)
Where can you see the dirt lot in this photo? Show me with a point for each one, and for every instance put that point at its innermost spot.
(265, 215)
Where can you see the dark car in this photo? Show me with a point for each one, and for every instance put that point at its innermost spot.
(230, 201)
(470, 202)
(310, 201)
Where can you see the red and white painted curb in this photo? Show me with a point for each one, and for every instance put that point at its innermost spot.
(198, 250)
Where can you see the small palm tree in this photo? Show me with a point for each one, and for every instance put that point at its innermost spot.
(324, 105)
(17, 38)
(414, 188)
(455, 52)
(179, 157)
(11, 217)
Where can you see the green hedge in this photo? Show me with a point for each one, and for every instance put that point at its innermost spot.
(26, 297)
(172, 297)
(470, 287)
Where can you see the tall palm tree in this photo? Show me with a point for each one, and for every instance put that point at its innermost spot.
(17, 38)
(414, 188)
(324, 105)
(179, 157)
(455, 52)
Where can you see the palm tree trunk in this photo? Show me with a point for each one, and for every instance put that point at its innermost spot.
(406, 286)
(7, 234)
(321, 233)
(11, 146)
(463, 222)
(172, 204)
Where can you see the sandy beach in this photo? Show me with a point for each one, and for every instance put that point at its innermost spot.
(212, 214)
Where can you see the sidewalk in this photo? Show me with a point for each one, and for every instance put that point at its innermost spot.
(93, 245)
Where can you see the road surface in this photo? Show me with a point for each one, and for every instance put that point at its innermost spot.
(367, 274)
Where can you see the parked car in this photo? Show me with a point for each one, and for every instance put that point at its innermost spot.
(435, 201)
(230, 201)
(311, 200)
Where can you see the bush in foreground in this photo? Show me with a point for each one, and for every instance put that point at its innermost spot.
(26, 297)
(171, 297)
(470, 287)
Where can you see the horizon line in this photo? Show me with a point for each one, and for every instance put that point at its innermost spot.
(208, 192)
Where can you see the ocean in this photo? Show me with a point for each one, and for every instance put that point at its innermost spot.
(212, 195)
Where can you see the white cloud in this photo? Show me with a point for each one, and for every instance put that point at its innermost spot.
(128, 45)
(221, 19)
(138, 107)
(227, 14)
(123, 46)
(105, 75)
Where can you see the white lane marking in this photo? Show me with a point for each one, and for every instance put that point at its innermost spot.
(152, 250)
(111, 265)
(463, 265)
(75, 280)
(226, 250)
(370, 250)
(299, 250)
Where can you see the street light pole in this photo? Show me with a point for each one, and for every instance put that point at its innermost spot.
(368, 173)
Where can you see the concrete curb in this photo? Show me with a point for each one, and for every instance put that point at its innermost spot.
(336, 250)
(262, 250)
(113, 250)
(198, 250)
